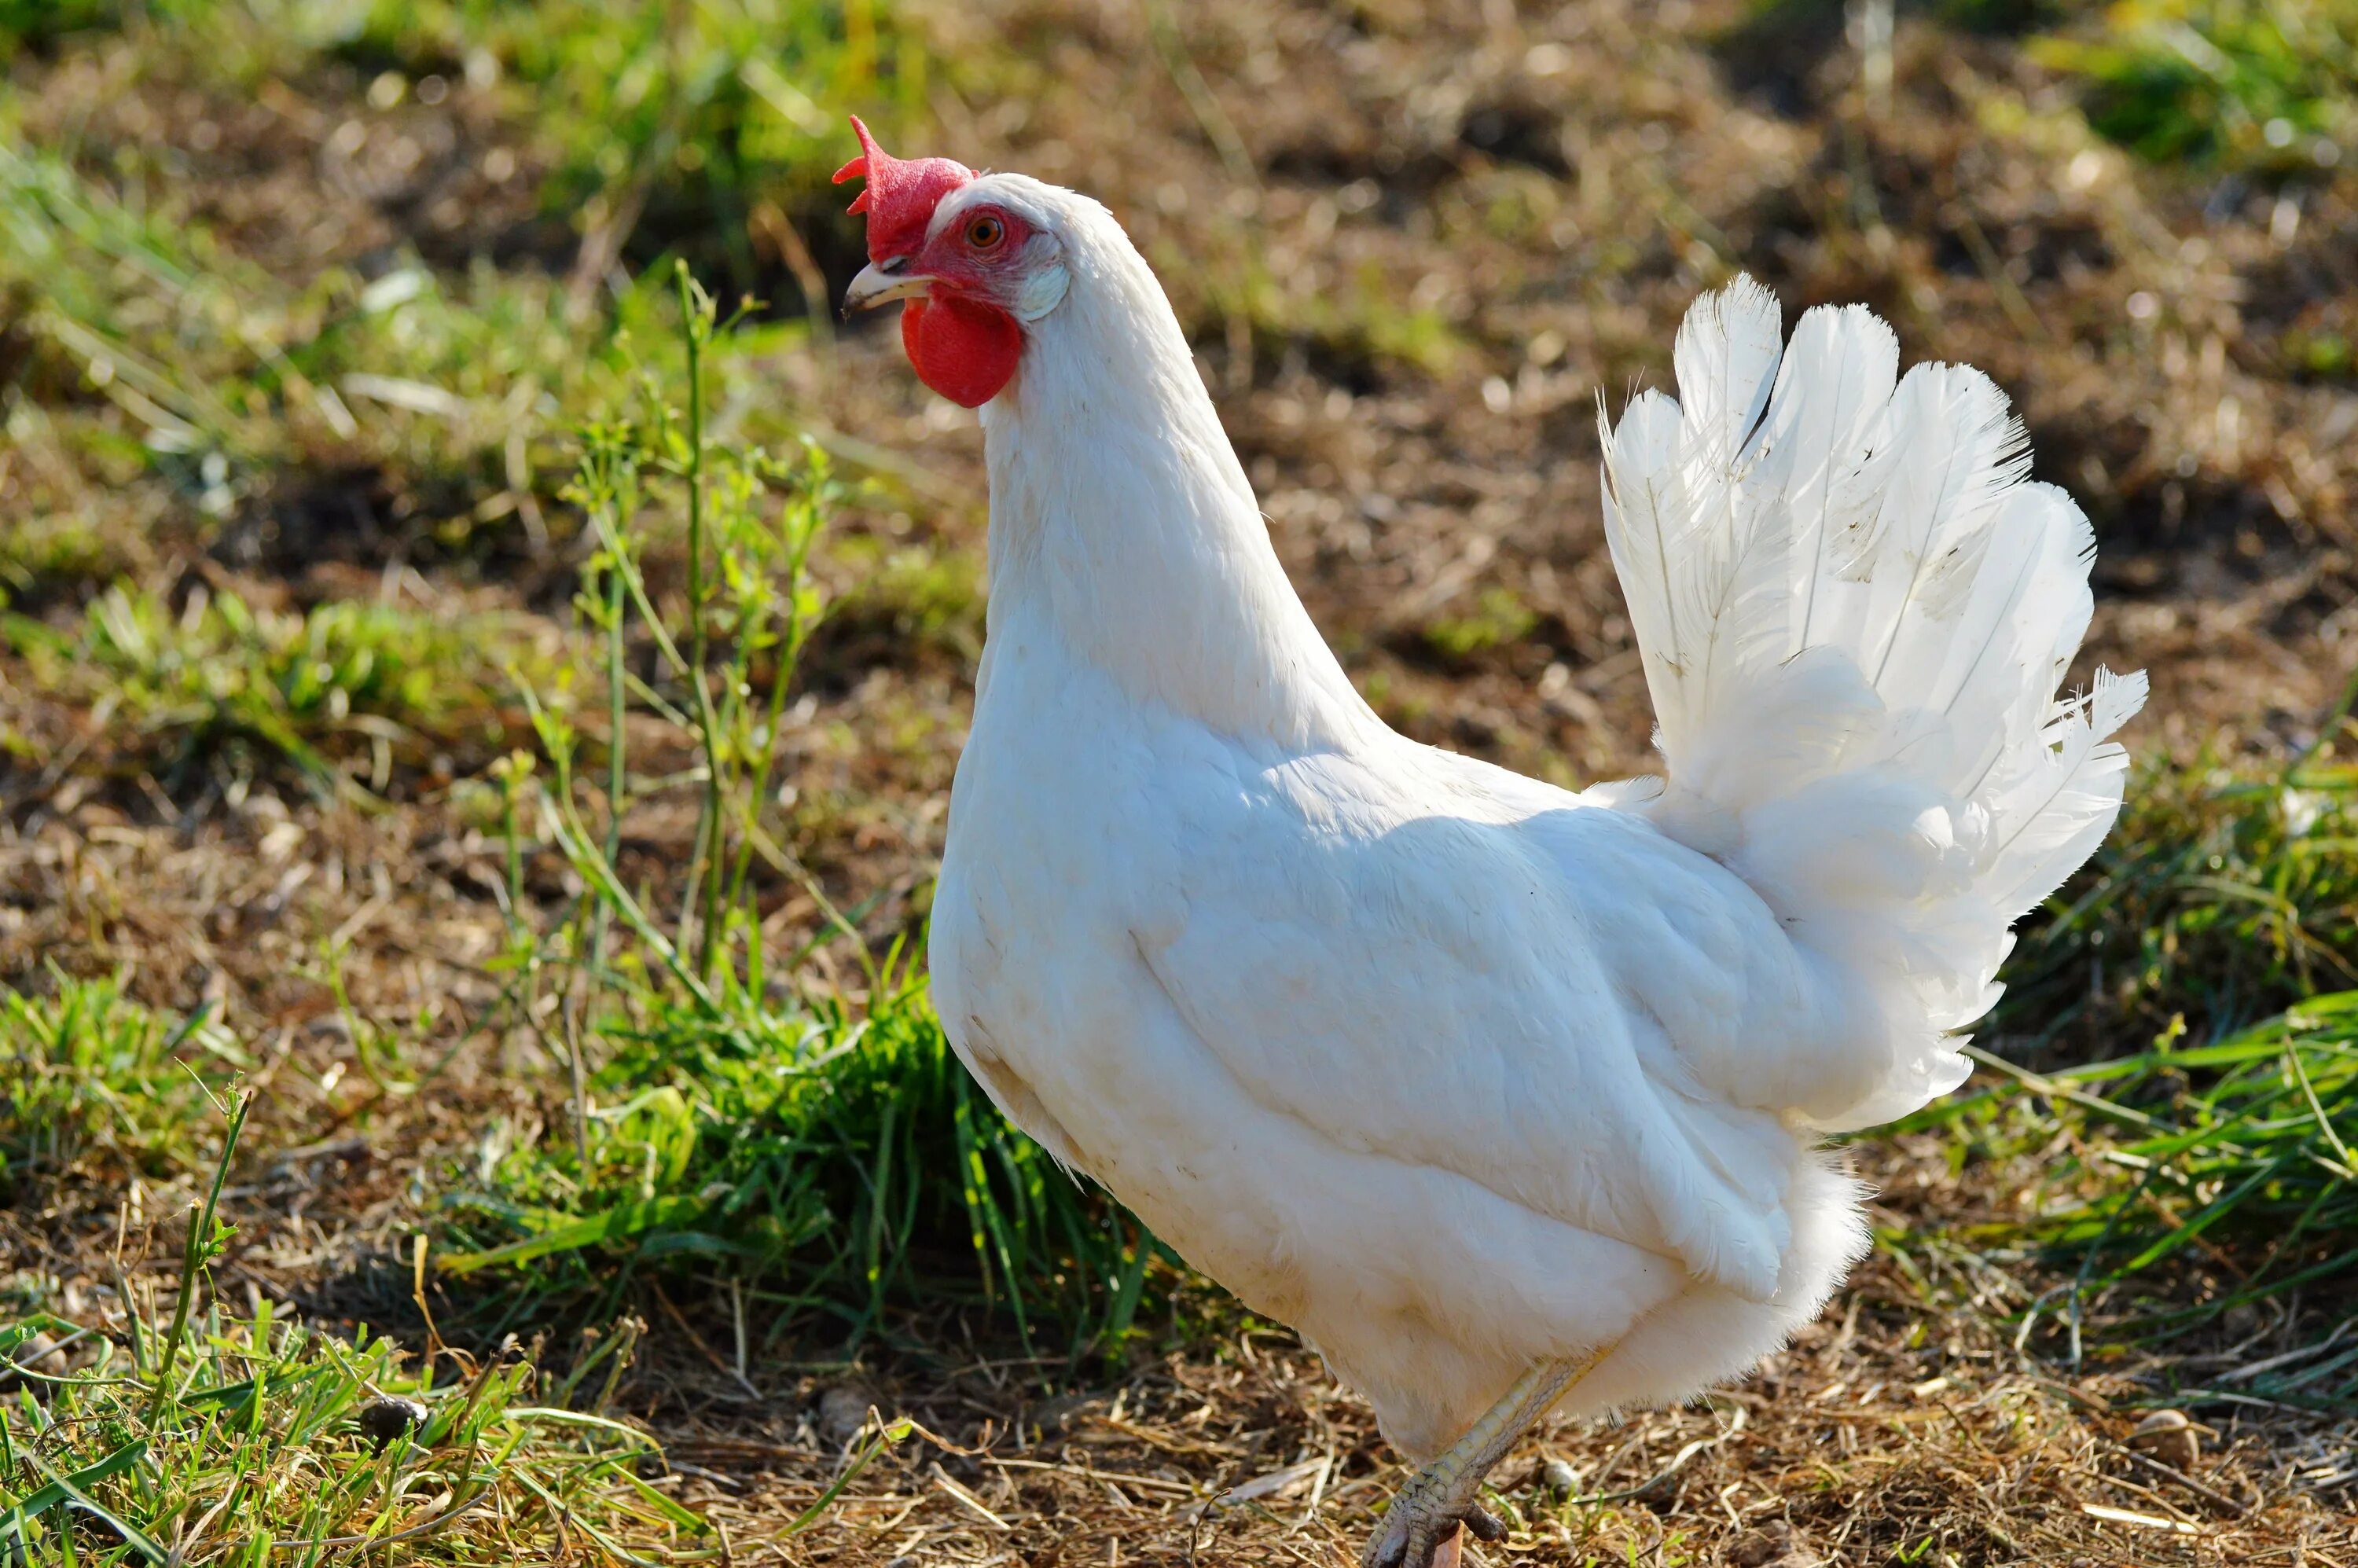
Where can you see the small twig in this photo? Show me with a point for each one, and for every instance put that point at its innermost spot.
(2246, 1373)
(703, 1348)
(2181, 1477)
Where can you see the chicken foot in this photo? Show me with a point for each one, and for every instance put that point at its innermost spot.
(1421, 1528)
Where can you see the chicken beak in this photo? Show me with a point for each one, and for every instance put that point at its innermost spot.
(880, 283)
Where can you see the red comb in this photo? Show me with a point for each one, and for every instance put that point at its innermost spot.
(901, 195)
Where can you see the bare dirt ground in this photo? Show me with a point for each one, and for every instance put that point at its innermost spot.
(1490, 218)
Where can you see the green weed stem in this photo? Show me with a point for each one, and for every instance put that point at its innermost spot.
(789, 656)
(708, 865)
(617, 787)
(194, 1256)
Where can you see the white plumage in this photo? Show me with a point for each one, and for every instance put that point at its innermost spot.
(1459, 1073)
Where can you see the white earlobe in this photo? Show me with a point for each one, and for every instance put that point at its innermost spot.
(1042, 290)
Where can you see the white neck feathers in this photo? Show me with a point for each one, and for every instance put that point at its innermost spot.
(1122, 525)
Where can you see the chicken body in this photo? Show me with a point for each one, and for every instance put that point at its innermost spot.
(1368, 1033)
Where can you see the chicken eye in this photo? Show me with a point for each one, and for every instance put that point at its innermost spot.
(985, 231)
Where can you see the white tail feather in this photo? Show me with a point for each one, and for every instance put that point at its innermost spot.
(1854, 611)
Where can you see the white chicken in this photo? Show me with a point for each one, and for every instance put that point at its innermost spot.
(1510, 1099)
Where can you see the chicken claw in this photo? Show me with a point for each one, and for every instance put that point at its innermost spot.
(1421, 1529)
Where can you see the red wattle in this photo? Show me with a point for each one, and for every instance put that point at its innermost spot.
(964, 351)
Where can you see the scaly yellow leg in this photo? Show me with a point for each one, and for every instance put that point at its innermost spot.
(1427, 1512)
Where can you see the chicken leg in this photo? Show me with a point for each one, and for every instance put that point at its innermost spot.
(1421, 1528)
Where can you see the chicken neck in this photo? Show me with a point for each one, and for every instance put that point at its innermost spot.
(1124, 532)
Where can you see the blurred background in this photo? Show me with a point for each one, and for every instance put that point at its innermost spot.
(497, 887)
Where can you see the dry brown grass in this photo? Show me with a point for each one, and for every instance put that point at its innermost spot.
(1846, 1448)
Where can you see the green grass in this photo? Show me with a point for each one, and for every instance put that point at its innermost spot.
(1359, 328)
(171, 389)
(2266, 87)
(920, 596)
(346, 679)
(829, 1176)
(2250, 85)
(156, 353)
(252, 1440)
(2213, 1171)
(659, 126)
(90, 1077)
(2222, 898)
(2185, 1182)
(45, 22)
(258, 1456)
(692, 117)
(267, 1442)
(1499, 617)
